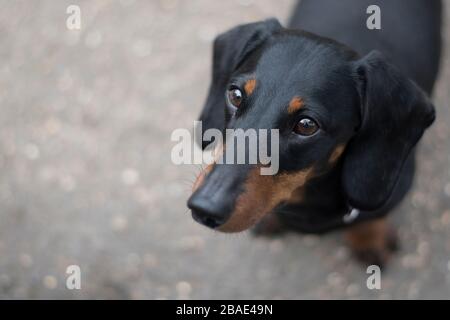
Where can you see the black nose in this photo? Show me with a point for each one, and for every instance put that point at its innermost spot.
(203, 212)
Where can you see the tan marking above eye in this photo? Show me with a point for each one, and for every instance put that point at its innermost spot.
(337, 152)
(295, 105)
(249, 86)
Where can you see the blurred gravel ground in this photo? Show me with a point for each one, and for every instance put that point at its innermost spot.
(86, 176)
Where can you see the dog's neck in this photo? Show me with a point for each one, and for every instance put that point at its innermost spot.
(322, 192)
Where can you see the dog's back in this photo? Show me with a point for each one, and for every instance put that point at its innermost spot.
(410, 32)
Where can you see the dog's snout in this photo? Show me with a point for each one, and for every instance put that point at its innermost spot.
(207, 218)
(205, 213)
(213, 201)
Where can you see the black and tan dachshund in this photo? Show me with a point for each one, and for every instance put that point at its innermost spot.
(350, 105)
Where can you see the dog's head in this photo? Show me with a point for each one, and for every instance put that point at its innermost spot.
(330, 106)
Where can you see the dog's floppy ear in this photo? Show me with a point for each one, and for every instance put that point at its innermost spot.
(394, 114)
(230, 49)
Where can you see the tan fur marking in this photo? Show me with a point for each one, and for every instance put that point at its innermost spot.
(297, 196)
(370, 235)
(217, 153)
(261, 195)
(201, 177)
(295, 105)
(249, 86)
(337, 152)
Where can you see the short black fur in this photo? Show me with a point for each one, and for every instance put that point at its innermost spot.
(370, 92)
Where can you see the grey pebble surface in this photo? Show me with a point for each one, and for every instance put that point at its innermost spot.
(86, 176)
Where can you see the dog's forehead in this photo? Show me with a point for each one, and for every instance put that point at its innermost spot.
(287, 75)
(290, 67)
(298, 62)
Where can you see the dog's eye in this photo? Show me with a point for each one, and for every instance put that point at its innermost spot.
(235, 97)
(306, 127)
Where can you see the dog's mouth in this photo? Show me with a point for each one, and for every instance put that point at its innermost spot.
(230, 202)
(205, 220)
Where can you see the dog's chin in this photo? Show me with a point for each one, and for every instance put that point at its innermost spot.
(245, 216)
(237, 226)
